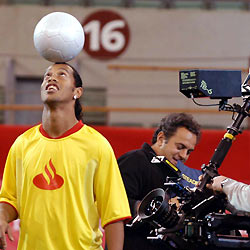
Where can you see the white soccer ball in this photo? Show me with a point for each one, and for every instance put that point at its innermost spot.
(59, 37)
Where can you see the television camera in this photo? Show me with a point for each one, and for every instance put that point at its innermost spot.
(202, 219)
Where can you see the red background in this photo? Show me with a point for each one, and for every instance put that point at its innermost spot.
(123, 139)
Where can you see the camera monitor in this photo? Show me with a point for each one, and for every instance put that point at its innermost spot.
(216, 84)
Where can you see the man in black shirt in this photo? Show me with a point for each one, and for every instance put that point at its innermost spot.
(141, 170)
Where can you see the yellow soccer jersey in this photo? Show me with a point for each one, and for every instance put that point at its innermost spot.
(61, 187)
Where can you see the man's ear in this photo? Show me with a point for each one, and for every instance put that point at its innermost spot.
(160, 138)
(78, 92)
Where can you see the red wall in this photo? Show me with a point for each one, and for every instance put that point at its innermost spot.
(235, 165)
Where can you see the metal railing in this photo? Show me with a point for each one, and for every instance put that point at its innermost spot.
(205, 4)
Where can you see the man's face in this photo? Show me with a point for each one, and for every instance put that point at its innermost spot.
(58, 84)
(178, 147)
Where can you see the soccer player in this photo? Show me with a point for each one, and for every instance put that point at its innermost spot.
(61, 177)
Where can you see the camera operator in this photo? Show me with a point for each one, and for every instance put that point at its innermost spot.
(175, 138)
(238, 193)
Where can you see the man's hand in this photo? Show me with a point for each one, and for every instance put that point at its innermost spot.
(215, 184)
(7, 214)
(5, 229)
(175, 201)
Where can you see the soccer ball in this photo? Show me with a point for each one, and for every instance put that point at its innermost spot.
(59, 37)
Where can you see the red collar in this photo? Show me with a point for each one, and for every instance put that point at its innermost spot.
(74, 129)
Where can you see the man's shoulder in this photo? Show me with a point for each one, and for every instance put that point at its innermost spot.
(144, 151)
(133, 154)
(26, 138)
(91, 131)
(94, 136)
(29, 133)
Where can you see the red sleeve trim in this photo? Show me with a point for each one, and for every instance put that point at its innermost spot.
(120, 219)
(10, 205)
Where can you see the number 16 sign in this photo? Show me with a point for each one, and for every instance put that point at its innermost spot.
(106, 34)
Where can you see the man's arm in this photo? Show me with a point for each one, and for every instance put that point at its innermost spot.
(7, 214)
(238, 193)
(114, 235)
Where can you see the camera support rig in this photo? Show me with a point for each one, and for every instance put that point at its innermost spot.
(221, 151)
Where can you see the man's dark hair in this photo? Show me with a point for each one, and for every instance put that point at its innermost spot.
(171, 123)
(78, 83)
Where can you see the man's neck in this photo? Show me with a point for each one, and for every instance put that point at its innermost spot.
(57, 121)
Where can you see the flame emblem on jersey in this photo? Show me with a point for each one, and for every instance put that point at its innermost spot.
(48, 180)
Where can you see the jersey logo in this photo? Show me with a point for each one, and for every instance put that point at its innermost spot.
(48, 180)
(157, 159)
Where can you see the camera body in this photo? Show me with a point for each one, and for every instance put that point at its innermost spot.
(200, 222)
